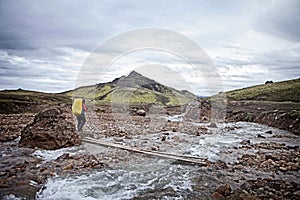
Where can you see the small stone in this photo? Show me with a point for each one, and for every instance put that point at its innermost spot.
(269, 132)
(68, 167)
(293, 166)
(63, 157)
(283, 168)
(245, 142)
(176, 138)
(154, 148)
(297, 194)
(213, 125)
(217, 195)
(3, 185)
(141, 112)
(238, 167)
(174, 129)
(260, 136)
(163, 138)
(224, 190)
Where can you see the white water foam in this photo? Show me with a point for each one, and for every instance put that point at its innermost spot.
(175, 118)
(226, 136)
(116, 184)
(49, 155)
(12, 197)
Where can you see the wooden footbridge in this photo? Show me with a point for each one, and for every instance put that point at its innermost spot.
(177, 157)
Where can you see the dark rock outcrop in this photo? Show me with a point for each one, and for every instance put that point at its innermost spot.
(50, 130)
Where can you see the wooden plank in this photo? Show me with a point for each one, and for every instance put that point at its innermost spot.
(160, 152)
(174, 154)
(152, 153)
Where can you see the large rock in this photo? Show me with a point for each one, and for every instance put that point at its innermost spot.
(50, 130)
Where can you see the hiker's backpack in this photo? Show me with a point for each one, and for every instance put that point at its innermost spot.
(77, 107)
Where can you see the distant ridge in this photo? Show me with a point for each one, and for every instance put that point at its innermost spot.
(278, 92)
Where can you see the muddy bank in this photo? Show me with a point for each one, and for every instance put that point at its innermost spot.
(283, 115)
(275, 114)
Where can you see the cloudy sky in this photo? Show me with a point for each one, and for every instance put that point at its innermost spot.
(47, 45)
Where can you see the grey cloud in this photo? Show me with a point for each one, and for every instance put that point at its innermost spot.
(281, 18)
(35, 24)
(41, 33)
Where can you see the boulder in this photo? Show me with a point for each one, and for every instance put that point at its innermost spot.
(268, 82)
(50, 130)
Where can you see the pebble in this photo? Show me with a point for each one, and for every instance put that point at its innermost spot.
(260, 136)
(213, 125)
(269, 132)
(224, 190)
(217, 196)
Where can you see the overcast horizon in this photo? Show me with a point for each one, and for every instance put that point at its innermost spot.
(45, 45)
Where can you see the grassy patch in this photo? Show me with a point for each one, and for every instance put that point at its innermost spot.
(279, 92)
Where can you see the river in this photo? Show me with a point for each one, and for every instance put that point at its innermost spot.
(145, 177)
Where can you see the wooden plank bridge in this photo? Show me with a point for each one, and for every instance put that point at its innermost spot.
(178, 157)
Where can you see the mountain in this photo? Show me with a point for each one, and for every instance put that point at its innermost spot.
(134, 89)
(277, 92)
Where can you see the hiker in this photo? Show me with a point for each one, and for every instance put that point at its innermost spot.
(79, 108)
(81, 118)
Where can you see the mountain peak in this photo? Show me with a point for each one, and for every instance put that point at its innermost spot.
(137, 78)
(134, 73)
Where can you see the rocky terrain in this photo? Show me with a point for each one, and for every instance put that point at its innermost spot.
(248, 161)
(24, 174)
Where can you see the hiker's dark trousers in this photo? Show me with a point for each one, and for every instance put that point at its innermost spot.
(81, 121)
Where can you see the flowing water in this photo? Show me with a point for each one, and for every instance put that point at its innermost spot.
(144, 177)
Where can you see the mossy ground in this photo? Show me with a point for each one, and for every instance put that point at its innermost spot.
(22, 101)
(109, 94)
(278, 92)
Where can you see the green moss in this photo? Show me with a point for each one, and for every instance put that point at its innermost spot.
(248, 117)
(143, 96)
(294, 114)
